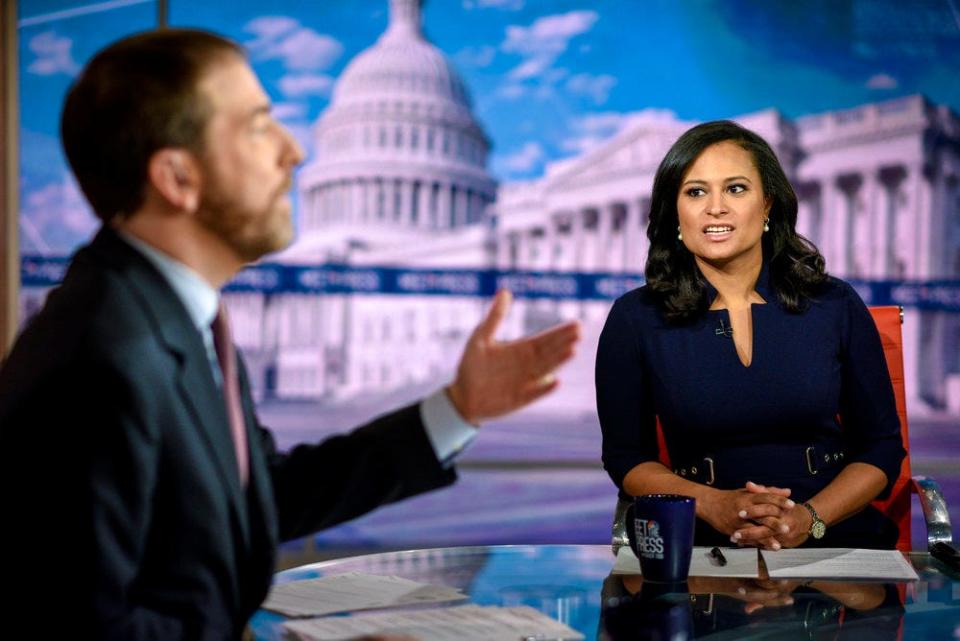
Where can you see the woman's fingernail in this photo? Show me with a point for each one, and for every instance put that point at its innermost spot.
(784, 528)
(742, 514)
(789, 600)
(736, 537)
(741, 590)
(790, 504)
(776, 546)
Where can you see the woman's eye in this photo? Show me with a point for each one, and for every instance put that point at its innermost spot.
(737, 188)
(695, 192)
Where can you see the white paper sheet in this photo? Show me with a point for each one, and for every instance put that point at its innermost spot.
(353, 591)
(460, 623)
(741, 563)
(838, 563)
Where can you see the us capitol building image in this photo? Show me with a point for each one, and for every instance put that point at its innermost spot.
(399, 178)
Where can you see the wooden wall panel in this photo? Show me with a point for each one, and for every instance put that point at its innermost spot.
(9, 130)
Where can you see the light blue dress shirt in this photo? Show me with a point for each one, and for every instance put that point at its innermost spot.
(448, 433)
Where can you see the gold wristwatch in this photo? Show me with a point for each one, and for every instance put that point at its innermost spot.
(818, 528)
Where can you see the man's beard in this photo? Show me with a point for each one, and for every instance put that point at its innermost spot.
(251, 234)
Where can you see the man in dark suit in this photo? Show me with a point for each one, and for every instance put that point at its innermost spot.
(130, 439)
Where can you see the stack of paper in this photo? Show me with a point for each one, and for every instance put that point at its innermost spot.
(741, 563)
(353, 591)
(794, 563)
(838, 563)
(461, 623)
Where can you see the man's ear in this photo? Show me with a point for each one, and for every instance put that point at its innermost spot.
(175, 175)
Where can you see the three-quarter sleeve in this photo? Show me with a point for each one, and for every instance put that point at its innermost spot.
(868, 410)
(624, 404)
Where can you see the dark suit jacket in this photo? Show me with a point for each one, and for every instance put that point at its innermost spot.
(120, 480)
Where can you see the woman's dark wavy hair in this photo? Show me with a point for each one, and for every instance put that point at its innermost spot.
(796, 266)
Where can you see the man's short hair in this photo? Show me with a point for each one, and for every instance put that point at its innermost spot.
(136, 96)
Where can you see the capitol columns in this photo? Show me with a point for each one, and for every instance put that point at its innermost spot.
(343, 201)
(358, 201)
(550, 238)
(445, 206)
(336, 213)
(423, 204)
(929, 234)
(831, 214)
(950, 263)
(940, 222)
(843, 210)
(888, 214)
(461, 205)
(922, 198)
(505, 248)
(323, 206)
(372, 190)
(405, 215)
(306, 209)
(879, 231)
(604, 258)
(389, 200)
(577, 239)
(476, 206)
(866, 229)
(631, 235)
(316, 207)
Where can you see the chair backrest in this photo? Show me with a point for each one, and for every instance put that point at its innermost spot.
(897, 506)
(889, 320)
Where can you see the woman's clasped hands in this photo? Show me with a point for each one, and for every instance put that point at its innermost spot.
(760, 515)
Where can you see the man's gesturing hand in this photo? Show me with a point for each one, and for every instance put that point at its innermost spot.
(495, 378)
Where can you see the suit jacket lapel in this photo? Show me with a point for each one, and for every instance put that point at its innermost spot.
(263, 522)
(196, 384)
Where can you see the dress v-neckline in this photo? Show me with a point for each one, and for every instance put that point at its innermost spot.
(727, 331)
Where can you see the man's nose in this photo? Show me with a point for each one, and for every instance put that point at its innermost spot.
(292, 151)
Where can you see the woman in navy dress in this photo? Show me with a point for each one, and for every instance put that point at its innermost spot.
(766, 374)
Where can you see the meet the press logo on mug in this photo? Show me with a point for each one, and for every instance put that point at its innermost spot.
(648, 538)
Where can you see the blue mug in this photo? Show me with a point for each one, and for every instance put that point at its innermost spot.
(660, 530)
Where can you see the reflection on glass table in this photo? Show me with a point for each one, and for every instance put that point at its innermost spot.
(572, 584)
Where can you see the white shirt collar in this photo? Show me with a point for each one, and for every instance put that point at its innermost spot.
(198, 297)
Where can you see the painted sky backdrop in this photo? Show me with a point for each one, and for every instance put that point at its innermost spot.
(549, 79)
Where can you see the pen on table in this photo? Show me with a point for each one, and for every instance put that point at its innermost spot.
(718, 555)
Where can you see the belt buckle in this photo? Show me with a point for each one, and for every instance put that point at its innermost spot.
(810, 463)
(709, 462)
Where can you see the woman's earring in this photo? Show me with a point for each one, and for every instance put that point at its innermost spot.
(766, 224)
(679, 233)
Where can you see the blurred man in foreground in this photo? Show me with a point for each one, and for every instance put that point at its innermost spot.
(129, 433)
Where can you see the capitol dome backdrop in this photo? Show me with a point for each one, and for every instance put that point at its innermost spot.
(517, 140)
(398, 176)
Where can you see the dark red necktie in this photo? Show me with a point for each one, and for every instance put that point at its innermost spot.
(227, 357)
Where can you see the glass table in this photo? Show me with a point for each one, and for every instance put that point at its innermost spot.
(573, 584)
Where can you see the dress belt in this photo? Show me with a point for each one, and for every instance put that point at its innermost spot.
(761, 461)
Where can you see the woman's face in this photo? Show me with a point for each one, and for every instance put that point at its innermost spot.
(722, 207)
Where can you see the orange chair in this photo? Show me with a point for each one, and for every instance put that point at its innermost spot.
(889, 320)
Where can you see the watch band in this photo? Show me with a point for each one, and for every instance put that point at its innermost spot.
(818, 528)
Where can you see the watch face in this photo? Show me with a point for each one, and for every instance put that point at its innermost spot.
(818, 529)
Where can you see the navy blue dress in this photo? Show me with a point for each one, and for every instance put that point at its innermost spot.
(776, 422)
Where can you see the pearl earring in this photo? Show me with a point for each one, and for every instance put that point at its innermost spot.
(679, 233)
(766, 225)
